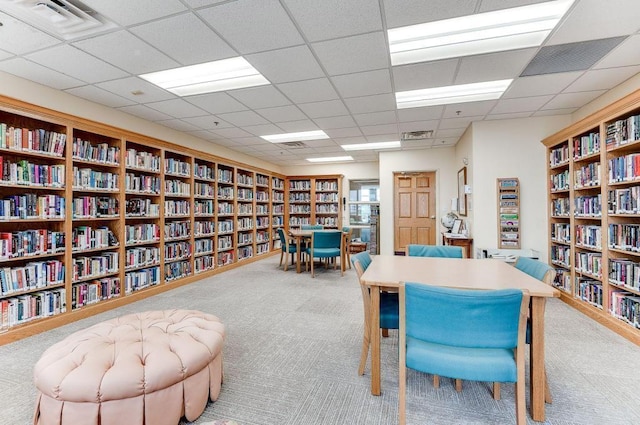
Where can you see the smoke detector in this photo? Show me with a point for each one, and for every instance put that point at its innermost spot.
(67, 19)
(416, 135)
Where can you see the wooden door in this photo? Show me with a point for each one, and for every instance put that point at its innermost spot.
(414, 209)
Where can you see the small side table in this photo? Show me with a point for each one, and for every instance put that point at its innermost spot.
(465, 243)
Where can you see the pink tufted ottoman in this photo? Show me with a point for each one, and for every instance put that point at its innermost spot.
(147, 368)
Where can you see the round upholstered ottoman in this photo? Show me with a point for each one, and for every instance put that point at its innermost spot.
(147, 368)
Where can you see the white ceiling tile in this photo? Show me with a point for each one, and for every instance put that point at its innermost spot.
(38, 73)
(601, 22)
(262, 130)
(344, 132)
(509, 116)
(285, 65)
(201, 3)
(322, 20)
(540, 84)
(419, 114)
(145, 112)
(449, 132)
(377, 103)
(383, 137)
(572, 100)
(76, 63)
(216, 103)
(296, 126)
(400, 13)
(468, 109)
(330, 108)
(456, 123)
(363, 83)
(202, 134)
(328, 123)
(243, 118)
(521, 104)
(127, 52)
(208, 122)
(493, 66)
(418, 125)
(602, 79)
(186, 39)
(178, 125)
(375, 118)
(490, 5)
(282, 113)
(323, 143)
(353, 54)
(625, 54)
(19, 38)
(249, 141)
(127, 12)
(444, 143)
(251, 26)
(371, 130)
(329, 149)
(5, 55)
(350, 140)
(424, 75)
(418, 144)
(260, 97)
(126, 87)
(232, 132)
(554, 112)
(177, 108)
(100, 96)
(309, 91)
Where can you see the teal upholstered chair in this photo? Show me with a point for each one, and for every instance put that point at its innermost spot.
(325, 245)
(287, 248)
(445, 251)
(388, 307)
(464, 334)
(312, 227)
(543, 272)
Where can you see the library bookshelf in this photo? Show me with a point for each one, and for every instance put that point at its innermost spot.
(93, 217)
(508, 213)
(314, 200)
(594, 215)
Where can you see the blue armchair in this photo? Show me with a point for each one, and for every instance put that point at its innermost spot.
(388, 307)
(325, 245)
(464, 334)
(435, 251)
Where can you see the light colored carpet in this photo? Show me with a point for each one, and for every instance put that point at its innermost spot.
(291, 358)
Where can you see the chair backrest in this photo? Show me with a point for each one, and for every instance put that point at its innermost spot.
(538, 269)
(328, 239)
(446, 251)
(361, 262)
(465, 318)
(284, 242)
(312, 227)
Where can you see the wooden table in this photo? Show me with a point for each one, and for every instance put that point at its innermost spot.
(388, 272)
(299, 235)
(465, 243)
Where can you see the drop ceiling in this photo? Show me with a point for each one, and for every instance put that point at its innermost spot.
(328, 65)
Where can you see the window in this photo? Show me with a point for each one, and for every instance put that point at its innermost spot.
(364, 201)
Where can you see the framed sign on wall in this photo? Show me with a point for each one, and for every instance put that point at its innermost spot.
(462, 196)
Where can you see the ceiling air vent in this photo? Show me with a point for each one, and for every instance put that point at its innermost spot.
(416, 135)
(293, 145)
(67, 19)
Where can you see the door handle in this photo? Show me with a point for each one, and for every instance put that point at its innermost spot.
(433, 217)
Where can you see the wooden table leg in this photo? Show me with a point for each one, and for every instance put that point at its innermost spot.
(374, 337)
(298, 254)
(536, 359)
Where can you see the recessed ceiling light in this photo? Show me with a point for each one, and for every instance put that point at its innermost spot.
(371, 146)
(226, 74)
(461, 93)
(331, 159)
(294, 137)
(506, 29)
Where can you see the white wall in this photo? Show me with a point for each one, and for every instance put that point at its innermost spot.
(512, 148)
(28, 91)
(440, 160)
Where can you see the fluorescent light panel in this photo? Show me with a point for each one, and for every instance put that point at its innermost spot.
(331, 159)
(296, 137)
(452, 94)
(500, 30)
(226, 74)
(371, 146)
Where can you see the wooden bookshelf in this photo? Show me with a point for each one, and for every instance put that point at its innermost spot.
(314, 200)
(594, 215)
(508, 213)
(106, 217)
